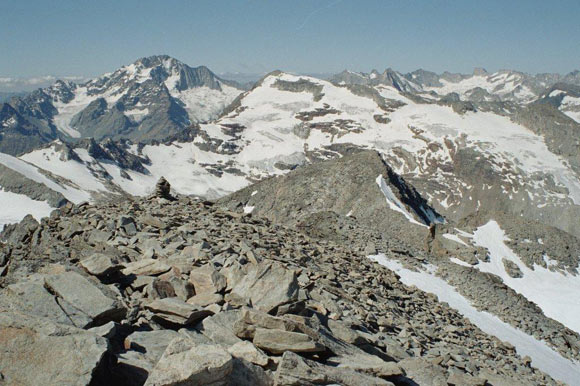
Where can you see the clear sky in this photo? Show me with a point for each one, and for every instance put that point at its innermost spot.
(88, 38)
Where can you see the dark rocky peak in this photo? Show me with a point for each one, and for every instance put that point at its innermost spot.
(116, 152)
(480, 71)
(159, 69)
(37, 104)
(453, 77)
(62, 91)
(392, 78)
(197, 77)
(17, 134)
(7, 112)
(66, 151)
(424, 78)
(350, 77)
(119, 152)
(555, 94)
(572, 78)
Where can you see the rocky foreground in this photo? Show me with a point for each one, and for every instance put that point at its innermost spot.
(164, 291)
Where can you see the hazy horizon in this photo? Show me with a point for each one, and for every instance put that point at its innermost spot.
(86, 39)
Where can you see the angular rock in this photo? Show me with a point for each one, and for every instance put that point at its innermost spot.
(422, 372)
(278, 341)
(247, 351)
(33, 299)
(458, 379)
(245, 373)
(295, 370)
(100, 265)
(512, 268)
(176, 312)
(268, 286)
(36, 351)
(219, 327)
(184, 363)
(85, 296)
(251, 319)
(207, 279)
(205, 299)
(146, 267)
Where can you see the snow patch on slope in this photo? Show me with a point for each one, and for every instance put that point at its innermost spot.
(543, 357)
(33, 173)
(16, 206)
(204, 103)
(552, 291)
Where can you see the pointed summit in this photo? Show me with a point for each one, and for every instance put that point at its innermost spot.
(480, 71)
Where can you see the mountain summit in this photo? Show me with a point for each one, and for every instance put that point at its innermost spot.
(152, 98)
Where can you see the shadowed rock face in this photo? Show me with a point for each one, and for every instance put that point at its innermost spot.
(19, 134)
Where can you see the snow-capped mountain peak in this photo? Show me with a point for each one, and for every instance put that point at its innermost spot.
(152, 98)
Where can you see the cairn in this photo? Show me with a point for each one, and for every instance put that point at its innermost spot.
(163, 190)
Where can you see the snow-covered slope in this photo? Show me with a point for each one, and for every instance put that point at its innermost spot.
(16, 206)
(461, 160)
(551, 290)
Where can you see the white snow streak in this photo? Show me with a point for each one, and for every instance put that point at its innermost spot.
(543, 357)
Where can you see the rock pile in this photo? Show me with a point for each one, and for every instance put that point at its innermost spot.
(162, 292)
(163, 189)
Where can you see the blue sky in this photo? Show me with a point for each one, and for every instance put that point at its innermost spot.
(87, 38)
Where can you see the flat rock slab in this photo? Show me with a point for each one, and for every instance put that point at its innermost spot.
(219, 327)
(267, 286)
(424, 372)
(176, 311)
(205, 299)
(32, 298)
(250, 320)
(295, 370)
(85, 296)
(278, 341)
(99, 264)
(184, 363)
(37, 351)
(247, 351)
(146, 267)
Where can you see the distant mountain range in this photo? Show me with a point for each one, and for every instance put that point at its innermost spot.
(507, 140)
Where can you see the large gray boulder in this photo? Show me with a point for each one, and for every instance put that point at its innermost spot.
(85, 297)
(37, 351)
(267, 285)
(278, 341)
(144, 349)
(32, 298)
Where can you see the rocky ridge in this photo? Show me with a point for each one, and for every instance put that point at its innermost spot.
(147, 287)
(339, 200)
